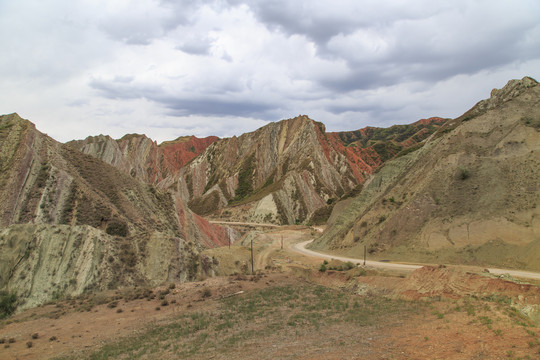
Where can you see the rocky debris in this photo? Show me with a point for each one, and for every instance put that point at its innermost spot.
(453, 283)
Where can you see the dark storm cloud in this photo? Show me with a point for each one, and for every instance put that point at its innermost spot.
(214, 107)
(207, 104)
(420, 41)
(298, 18)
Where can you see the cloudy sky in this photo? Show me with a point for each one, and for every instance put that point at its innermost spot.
(169, 68)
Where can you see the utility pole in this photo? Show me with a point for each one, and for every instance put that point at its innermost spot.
(364, 255)
(229, 235)
(252, 272)
(281, 242)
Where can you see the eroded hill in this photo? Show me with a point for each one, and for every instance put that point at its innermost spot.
(469, 195)
(286, 172)
(291, 171)
(72, 223)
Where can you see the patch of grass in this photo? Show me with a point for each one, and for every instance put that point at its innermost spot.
(117, 228)
(252, 317)
(529, 121)
(245, 178)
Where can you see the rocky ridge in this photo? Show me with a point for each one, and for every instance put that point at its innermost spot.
(290, 171)
(142, 158)
(469, 195)
(71, 222)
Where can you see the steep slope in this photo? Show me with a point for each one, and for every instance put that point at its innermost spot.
(143, 158)
(289, 171)
(469, 195)
(72, 222)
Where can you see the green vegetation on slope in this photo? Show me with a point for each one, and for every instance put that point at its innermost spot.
(277, 311)
(245, 178)
(7, 303)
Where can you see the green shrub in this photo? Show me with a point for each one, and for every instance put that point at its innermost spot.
(117, 228)
(322, 268)
(7, 304)
(464, 173)
(206, 293)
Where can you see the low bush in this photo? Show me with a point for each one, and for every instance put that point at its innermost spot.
(7, 304)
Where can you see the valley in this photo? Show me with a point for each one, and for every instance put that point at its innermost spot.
(253, 246)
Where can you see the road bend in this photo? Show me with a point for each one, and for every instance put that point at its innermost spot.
(301, 248)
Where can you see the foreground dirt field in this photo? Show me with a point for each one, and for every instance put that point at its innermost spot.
(290, 310)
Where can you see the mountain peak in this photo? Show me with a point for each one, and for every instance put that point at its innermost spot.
(511, 90)
(498, 97)
(13, 118)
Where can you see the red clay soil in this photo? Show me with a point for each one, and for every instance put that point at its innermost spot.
(430, 281)
(176, 154)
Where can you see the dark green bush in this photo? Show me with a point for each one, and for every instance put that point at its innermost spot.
(7, 304)
(117, 228)
(464, 173)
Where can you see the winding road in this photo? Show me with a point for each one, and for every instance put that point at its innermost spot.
(301, 248)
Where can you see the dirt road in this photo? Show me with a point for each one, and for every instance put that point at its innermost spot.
(301, 248)
(218, 222)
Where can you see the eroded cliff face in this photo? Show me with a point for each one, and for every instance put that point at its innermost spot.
(286, 172)
(62, 212)
(272, 170)
(142, 158)
(289, 172)
(469, 195)
(41, 262)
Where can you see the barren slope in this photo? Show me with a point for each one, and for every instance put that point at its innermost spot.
(470, 195)
(72, 222)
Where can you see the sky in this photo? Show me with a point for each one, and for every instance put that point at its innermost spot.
(170, 68)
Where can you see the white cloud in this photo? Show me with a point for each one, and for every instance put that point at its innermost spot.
(169, 68)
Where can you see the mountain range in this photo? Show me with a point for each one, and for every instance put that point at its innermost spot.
(100, 213)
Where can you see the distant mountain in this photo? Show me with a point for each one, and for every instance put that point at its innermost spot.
(70, 222)
(470, 195)
(287, 172)
(142, 158)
